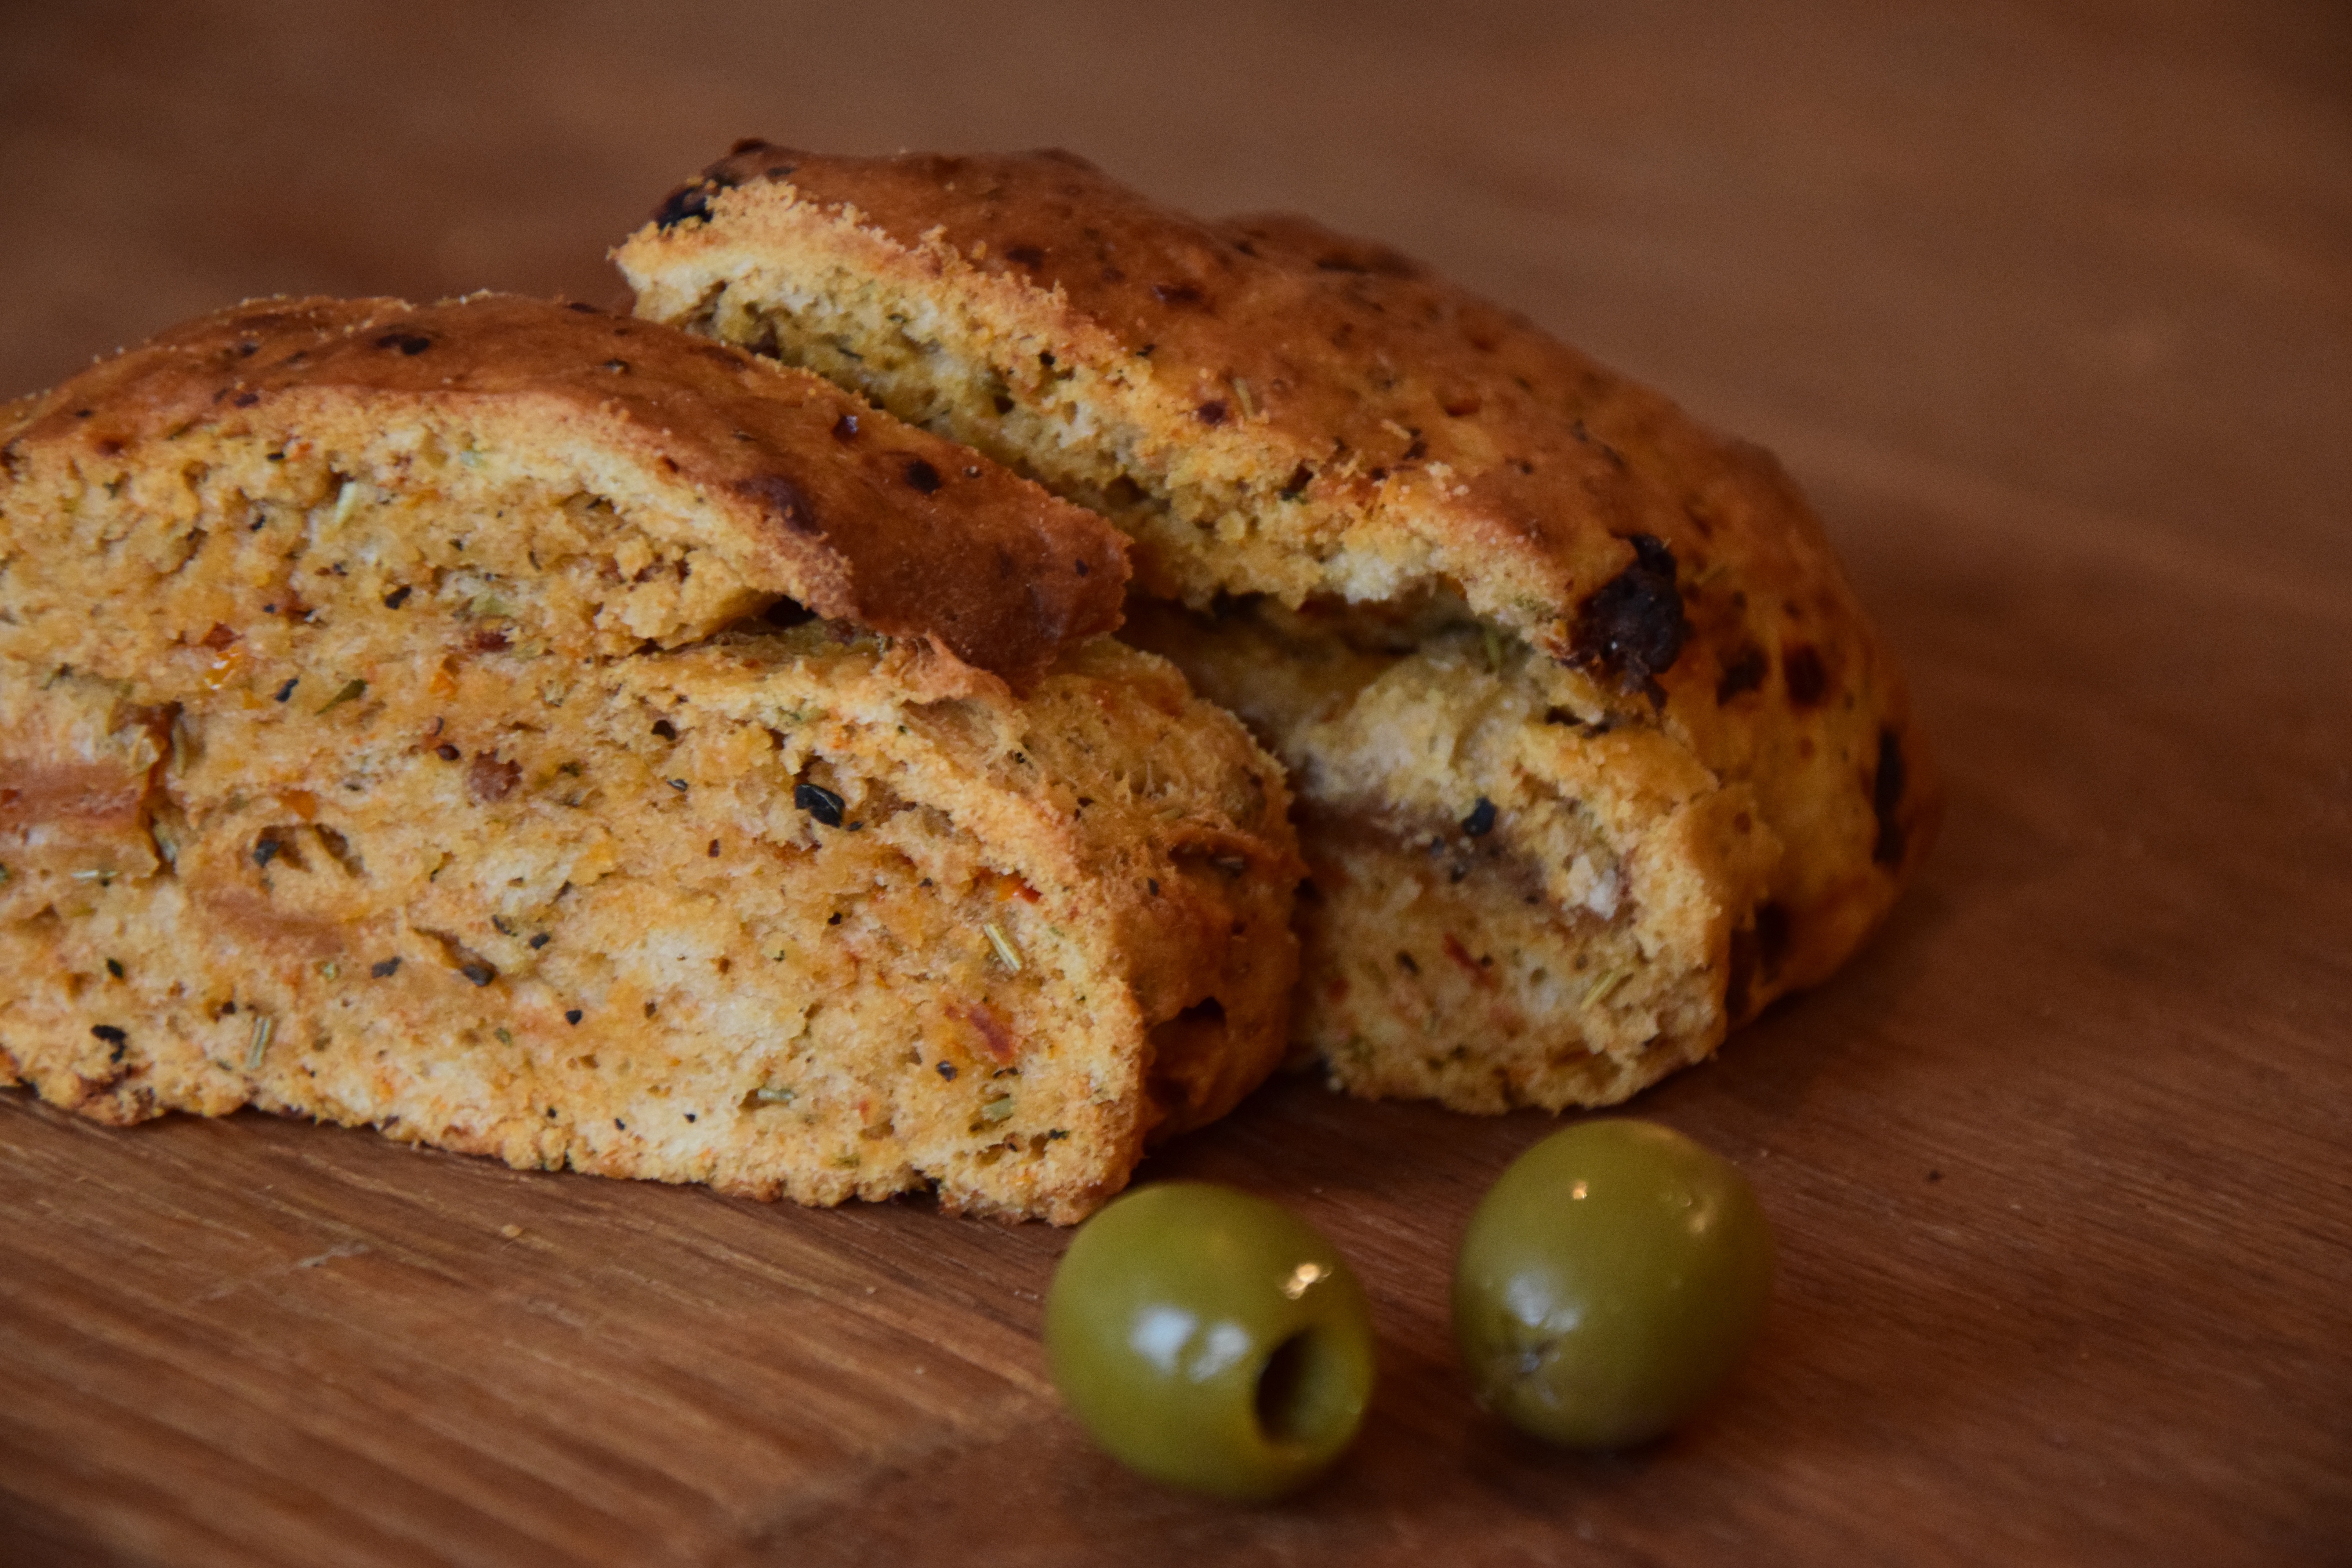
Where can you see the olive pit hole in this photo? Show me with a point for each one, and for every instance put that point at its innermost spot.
(1301, 1395)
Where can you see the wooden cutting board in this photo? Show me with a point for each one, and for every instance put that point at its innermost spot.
(2052, 311)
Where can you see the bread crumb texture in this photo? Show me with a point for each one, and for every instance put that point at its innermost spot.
(462, 757)
(1596, 752)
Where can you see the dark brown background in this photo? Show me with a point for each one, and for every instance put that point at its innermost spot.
(2051, 307)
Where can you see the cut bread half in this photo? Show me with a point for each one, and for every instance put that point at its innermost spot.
(420, 717)
(1596, 752)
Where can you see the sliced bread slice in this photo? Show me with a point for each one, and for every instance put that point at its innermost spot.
(541, 733)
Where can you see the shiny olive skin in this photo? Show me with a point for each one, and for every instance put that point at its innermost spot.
(1608, 1281)
(1210, 1339)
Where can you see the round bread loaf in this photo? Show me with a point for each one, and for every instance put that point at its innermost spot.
(1596, 752)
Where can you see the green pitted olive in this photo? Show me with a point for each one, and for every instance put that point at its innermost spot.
(1210, 1339)
(1612, 1277)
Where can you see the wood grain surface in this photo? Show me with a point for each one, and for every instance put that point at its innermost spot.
(2049, 308)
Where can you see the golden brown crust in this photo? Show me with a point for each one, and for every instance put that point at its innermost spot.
(849, 512)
